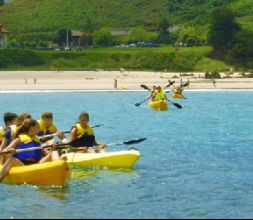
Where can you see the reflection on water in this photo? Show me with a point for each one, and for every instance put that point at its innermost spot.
(87, 173)
(59, 193)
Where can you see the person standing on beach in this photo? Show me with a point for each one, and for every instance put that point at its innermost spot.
(214, 83)
(181, 82)
(115, 84)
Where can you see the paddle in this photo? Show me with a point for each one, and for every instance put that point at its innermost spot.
(145, 87)
(64, 132)
(79, 142)
(175, 104)
(75, 143)
(136, 141)
(139, 103)
(170, 83)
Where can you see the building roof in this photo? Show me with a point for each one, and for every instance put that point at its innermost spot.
(3, 30)
(77, 33)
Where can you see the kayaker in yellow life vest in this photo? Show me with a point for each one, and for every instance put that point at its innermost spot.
(178, 90)
(48, 126)
(27, 138)
(10, 122)
(85, 133)
(7, 132)
(160, 94)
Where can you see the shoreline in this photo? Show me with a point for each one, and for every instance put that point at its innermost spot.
(115, 91)
(103, 81)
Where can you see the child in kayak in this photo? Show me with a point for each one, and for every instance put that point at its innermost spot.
(85, 134)
(47, 126)
(26, 137)
(7, 131)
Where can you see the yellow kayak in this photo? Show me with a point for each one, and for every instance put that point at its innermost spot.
(55, 173)
(118, 159)
(177, 96)
(158, 105)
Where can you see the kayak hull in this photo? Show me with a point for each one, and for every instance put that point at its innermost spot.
(55, 173)
(158, 105)
(119, 159)
(178, 96)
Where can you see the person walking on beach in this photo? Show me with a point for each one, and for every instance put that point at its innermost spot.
(115, 84)
(214, 83)
(181, 82)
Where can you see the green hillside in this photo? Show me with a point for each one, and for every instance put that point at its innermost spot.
(51, 15)
(48, 15)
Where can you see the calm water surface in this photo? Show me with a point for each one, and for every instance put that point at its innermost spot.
(196, 163)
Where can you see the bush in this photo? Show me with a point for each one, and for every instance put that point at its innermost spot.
(14, 57)
(212, 75)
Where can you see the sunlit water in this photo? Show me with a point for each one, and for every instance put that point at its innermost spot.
(196, 163)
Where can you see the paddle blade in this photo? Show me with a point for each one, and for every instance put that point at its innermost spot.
(145, 87)
(137, 104)
(186, 84)
(171, 82)
(134, 141)
(177, 105)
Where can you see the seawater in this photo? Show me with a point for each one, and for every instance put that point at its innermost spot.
(196, 163)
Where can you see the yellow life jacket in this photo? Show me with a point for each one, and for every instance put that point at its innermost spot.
(28, 142)
(13, 132)
(43, 130)
(160, 96)
(1, 134)
(178, 90)
(24, 138)
(84, 131)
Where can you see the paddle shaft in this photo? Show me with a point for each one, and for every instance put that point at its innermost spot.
(35, 148)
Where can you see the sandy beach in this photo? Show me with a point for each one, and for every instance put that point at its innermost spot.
(104, 80)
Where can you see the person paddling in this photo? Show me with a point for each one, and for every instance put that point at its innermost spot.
(83, 131)
(160, 94)
(48, 126)
(7, 132)
(26, 137)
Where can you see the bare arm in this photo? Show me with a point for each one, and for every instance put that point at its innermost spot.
(13, 144)
(73, 134)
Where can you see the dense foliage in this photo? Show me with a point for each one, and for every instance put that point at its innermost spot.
(227, 24)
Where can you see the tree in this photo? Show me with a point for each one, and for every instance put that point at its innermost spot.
(61, 37)
(139, 34)
(163, 30)
(189, 36)
(164, 25)
(223, 29)
(243, 48)
(103, 38)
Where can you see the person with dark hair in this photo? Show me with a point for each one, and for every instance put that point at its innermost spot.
(26, 137)
(83, 131)
(47, 126)
(8, 129)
